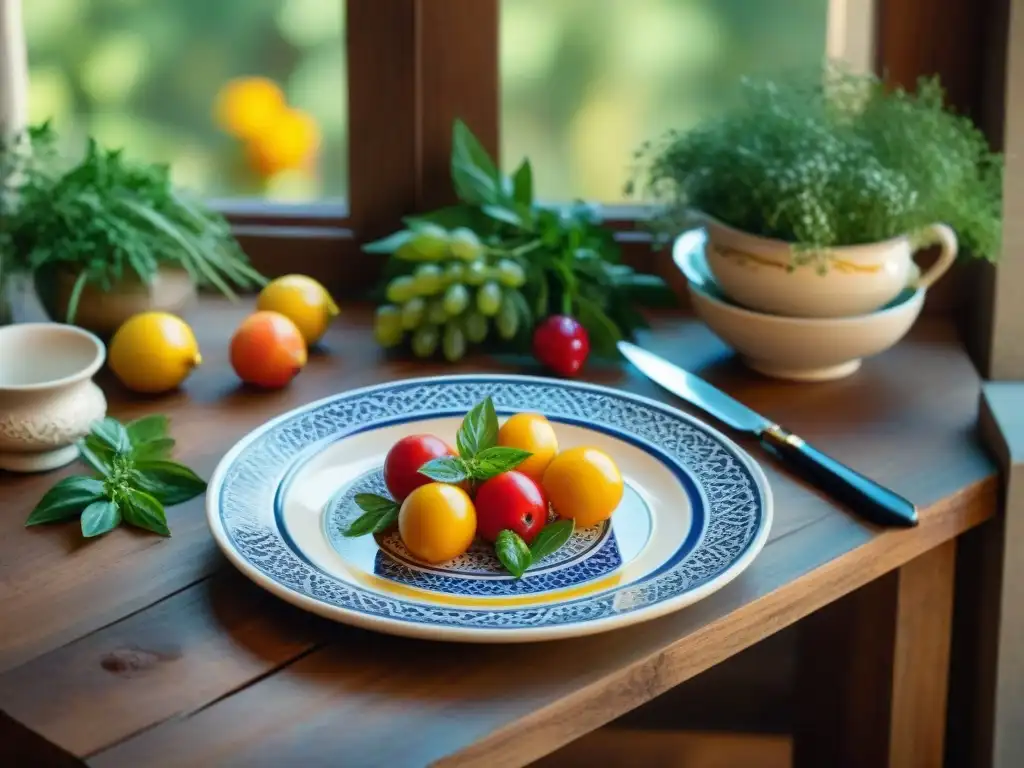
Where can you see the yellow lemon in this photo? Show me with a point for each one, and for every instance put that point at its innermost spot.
(153, 352)
(437, 522)
(583, 484)
(303, 301)
(289, 143)
(534, 433)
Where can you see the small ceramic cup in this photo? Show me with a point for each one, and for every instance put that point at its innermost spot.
(793, 348)
(47, 397)
(758, 272)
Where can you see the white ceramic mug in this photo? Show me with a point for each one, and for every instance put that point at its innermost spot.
(759, 272)
(47, 397)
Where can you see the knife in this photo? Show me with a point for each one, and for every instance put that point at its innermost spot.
(862, 495)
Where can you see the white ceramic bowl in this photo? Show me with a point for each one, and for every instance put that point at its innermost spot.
(47, 397)
(797, 348)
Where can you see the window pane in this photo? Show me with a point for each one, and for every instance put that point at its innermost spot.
(585, 82)
(151, 76)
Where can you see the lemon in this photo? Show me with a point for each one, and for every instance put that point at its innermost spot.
(303, 301)
(153, 352)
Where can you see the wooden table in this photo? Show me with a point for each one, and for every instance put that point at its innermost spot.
(134, 650)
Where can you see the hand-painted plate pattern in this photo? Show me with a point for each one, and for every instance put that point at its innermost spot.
(726, 490)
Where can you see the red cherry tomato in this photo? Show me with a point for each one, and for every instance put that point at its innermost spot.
(511, 501)
(562, 344)
(402, 465)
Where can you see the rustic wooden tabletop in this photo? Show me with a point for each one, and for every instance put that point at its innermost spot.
(135, 650)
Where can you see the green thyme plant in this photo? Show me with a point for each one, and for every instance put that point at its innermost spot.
(105, 217)
(134, 479)
(830, 160)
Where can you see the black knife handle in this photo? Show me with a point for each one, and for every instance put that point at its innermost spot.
(865, 497)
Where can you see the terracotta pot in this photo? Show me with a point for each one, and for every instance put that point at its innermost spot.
(103, 312)
(846, 281)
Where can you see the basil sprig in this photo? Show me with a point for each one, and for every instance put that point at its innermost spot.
(517, 557)
(134, 480)
(479, 459)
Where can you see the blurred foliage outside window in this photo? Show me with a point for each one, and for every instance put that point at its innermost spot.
(585, 82)
(247, 98)
(243, 98)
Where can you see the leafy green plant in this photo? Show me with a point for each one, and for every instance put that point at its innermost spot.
(830, 160)
(133, 480)
(498, 259)
(106, 217)
(479, 459)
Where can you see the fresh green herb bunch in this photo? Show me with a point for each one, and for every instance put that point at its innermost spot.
(830, 159)
(134, 480)
(497, 259)
(107, 216)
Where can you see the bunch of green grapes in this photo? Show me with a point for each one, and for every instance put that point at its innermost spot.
(458, 289)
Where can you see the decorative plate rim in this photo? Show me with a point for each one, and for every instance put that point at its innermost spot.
(404, 627)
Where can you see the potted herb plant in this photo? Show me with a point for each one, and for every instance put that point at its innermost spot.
(816, 191)
(107, 237)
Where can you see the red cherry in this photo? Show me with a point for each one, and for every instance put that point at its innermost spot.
(511, 501)
(562, 344)
(402, 465)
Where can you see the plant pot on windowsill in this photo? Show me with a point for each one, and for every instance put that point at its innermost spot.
(816, 190)
(776, 277)
(171, 289)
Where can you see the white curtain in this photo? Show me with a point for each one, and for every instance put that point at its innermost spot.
(13, 68)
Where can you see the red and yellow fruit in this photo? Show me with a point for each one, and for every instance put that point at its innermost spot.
(437, 522)
(583, 484)
(402, 465)
(511, 501)
(534, 433)
(267, 350)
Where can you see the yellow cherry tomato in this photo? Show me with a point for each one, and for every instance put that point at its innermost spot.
(534, 433)
(437, 522)
(583, 484)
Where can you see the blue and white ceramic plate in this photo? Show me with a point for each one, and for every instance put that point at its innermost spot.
(695, 513)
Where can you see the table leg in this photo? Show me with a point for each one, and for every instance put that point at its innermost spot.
(873, 671)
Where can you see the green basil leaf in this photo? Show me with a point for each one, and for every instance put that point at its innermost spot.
(380, 514)
(505, 215)
(146, 429)
(479, 429)
(522, 184)
(449, 469)
(99, 460)
(113, 434)
(144, 511)
(472, 185)
(371, 502)
(168, 482)
(100, 517)
(67, 499)
(604, 333)
(389, 244)
(154, 449)
(468, 151)
(491, 462)
(551, 538)
(513, 553)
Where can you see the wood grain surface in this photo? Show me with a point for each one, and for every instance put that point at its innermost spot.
(134, 650)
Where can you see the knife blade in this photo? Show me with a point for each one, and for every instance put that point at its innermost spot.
(860, 494)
